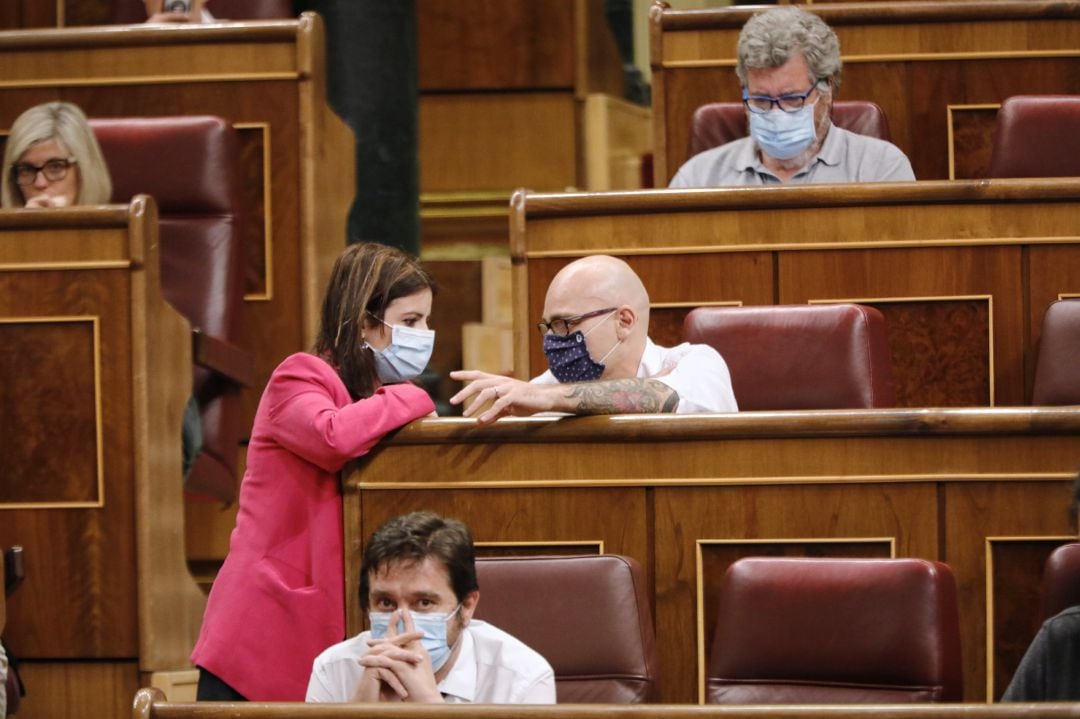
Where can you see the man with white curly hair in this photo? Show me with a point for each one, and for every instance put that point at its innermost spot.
(789, 69)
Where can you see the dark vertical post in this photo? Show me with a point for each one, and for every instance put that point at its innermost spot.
(372, 83)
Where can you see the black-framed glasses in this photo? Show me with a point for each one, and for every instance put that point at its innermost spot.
(54, 171)
(562, 325)
(788, 103)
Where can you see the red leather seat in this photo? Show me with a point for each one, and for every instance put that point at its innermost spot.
(1037, 136)
(799, 356)
(134, 11)
(719, 123)
(587, 615)
(190, 165)
(1057, 371)
(843, 631)
(1061, 580)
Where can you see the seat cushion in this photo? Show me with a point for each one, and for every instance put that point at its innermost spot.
(1057, 371)
(836, 630)
(587, 615)
(1037, 136)
(799, 356)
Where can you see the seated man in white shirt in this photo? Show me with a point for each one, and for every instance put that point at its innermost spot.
(600, 357)
(418, 585)
(789, 68)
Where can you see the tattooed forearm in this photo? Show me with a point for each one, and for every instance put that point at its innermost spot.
(622, 396)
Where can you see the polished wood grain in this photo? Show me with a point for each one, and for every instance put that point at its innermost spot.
(488, 142)
(931, 483)
(457, 44)
(150, 703)
(961, 269)
(268, 77)
(913, 59)
(58, 355)
(73, 690)
(106, 580)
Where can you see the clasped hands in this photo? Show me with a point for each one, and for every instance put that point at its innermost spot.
(397, 667)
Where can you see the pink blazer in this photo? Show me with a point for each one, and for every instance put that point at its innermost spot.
(279, 599)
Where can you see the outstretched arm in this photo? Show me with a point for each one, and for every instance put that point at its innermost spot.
(514, 397)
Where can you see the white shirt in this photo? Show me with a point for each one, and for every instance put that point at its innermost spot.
(698, 373)
(845, 156)
(491, 668)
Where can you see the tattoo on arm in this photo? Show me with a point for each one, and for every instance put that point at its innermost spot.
(623, 396)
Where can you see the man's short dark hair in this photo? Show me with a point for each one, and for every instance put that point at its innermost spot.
(415, 537)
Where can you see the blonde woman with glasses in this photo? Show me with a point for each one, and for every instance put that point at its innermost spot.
(52, 159)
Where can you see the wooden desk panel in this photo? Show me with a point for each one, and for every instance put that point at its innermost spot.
(964, 267)
(704, 490)
(106, 578)
(916, 60)
(267, 78)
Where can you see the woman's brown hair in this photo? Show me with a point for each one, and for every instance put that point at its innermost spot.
(366, 278)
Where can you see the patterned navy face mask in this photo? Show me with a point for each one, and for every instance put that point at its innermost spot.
(568, 357)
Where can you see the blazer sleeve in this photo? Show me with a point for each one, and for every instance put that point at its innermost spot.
(306, 419)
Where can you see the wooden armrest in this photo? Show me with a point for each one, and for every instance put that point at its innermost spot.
(222, 357)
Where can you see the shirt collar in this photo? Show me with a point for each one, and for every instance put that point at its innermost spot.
(460, 682)
(651, 360)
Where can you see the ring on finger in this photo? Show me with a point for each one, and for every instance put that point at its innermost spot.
(496, 390)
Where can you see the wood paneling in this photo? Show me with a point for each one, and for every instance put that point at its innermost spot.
(962, 270)
(913, 59)
(70, 690)
(265, 76)
(917, 483)
(106, 579)
(495, 44)
(54, 404)
(489, 142)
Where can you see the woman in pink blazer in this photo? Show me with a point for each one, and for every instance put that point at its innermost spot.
(279, 599)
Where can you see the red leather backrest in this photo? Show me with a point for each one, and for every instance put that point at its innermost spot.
(134, 11)
(1057, 371)
(587, 615)
(799, 356)
(718, 123)
(190, 165)
(836, 631)
(1061, 580)
(1037, 136)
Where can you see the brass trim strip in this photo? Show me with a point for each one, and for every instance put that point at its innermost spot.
(598, 543)
(988, 562)
(787, 246)
(76, 265)
(268, 222)
(146, 80)
(949, 129)
(99, 441)
(1068, 295)
(895, 57)
(699, 572)
(720, 481)
(680, 305)
(941, 298)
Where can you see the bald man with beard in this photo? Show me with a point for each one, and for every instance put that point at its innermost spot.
(600, 357)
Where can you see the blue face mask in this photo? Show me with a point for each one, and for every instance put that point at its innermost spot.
(432, 624)
(406, 356)
(784, 135)
(568, 357)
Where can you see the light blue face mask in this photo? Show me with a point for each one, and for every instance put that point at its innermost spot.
(784, 135)
(406, 356)
(432, 624)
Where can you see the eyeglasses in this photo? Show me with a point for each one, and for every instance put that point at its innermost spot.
(54, 171)
(562, 326)
(788, 103)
